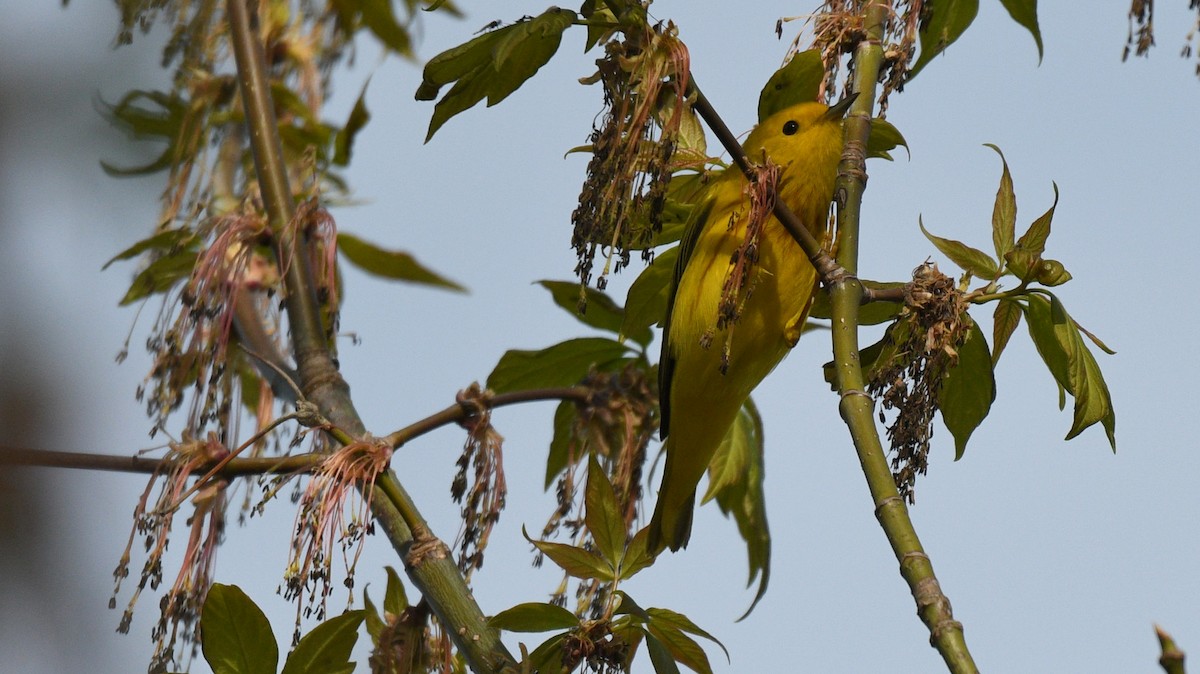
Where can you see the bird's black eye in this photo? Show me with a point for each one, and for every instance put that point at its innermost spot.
(791, 127)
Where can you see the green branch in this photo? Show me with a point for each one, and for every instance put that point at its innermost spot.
(856, 406)
(438, 580)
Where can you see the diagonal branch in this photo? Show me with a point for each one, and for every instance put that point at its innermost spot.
(427, 561)
(856, 406)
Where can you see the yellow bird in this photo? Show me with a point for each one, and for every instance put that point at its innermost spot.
(706, 374)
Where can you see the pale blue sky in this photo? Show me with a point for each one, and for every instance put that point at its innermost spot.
(1057, 556)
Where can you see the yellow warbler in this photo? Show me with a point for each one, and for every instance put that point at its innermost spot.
(706, 374)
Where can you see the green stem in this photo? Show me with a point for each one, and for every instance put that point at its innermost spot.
(440, 582)
(856, 406)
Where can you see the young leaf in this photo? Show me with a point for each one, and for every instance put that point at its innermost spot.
(646, 301)
(735, 479)
(602, 312)
(1004, 322)
(1004, 213)
(1052, 273)
(534, 617)
(1024, 12)
(377, 15)
(968, 390)
(343, 142)
(563, 364)
(636, 555)
(1093, 404)
(670, 627)
(375, 622)
(237, 637)
(395, 599)
(161, 275)
(1024, 264)
(492, 65)
(1034, 239)
(547, 658)
(798, 81)
(1061, 346)
(575, 561)
(602, 515)
(164, 240)
(326, 649)
(628, 606)
(560, 444)
(681, 647)
(944, 23)
(395, 265)
(660, 656)
(970, 259)
(884, 138)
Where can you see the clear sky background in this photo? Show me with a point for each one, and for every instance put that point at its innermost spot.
(1057, 556)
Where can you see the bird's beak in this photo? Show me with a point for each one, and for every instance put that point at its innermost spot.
(838, 110)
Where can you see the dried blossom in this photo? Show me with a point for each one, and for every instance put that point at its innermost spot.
(645, 80)
(333, 512)
(176, 632)
(923, 345)
(483, 495)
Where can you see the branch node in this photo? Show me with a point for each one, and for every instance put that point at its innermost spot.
(888, 503)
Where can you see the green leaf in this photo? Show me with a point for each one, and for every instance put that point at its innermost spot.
(395, 599)
(868, 314)
(942, 24)
(1004, 213)
(1034, 238)
(547, 658)
(660, 656)
(637, 555)
(670, 627)
(378, 17)
(563, 364)
(884, 138)
(160, 275)
(1024, 12)
(664, 616)
(560, 444)
(164, 240)
(395, 265)
(326, 649)
(237, 637)
(970, 259)
(602, 515)
(1004, 322)
(1022, 263)
(1058, 341)
(602, 312)
(534, 617)
(968, 390)
(150, 115)
(798, 81)
(575, 561)
(343, 142)
(735, 480)
(492, 65)
(375, 622)
(1093, 404)
(646, 301)
(627, 606)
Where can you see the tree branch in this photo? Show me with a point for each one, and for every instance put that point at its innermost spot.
(856, 406)
(440, 582)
